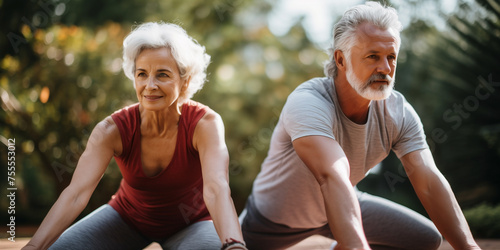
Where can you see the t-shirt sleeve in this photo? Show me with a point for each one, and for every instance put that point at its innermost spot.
(306, 114)
(411, 135)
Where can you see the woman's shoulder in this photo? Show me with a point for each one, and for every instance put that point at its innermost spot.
(107, 126)
(106, 134)
(127, 110)
(127, 118)
(195, 106)
(194, 111)
(198, 113)
(118, 127)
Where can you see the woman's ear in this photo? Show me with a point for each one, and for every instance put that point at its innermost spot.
(185, 84)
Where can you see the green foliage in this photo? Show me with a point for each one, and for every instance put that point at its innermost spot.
(483, 220)
(466, 76)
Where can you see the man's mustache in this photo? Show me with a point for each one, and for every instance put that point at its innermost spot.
(378, 77)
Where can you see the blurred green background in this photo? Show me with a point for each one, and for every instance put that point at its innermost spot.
(60, 74)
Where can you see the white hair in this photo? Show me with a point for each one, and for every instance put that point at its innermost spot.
(190, 56)
(344, 32)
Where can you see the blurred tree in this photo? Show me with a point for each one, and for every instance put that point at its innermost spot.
(465, 68)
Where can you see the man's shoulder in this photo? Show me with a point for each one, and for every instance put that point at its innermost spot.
(312, 99)
(396, 97)
(396, 108)
(317, 84)
(395, 102)
(319, 88)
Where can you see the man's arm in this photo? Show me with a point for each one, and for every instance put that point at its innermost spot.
(209, 141)
(438, 199)
(328, 163)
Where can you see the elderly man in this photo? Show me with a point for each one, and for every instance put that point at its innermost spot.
(333, 130)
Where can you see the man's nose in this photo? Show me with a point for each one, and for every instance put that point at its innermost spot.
(384, 67)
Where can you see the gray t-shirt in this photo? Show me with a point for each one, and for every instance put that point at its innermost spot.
(285, 191)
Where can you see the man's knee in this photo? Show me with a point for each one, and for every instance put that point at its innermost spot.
(431, 240)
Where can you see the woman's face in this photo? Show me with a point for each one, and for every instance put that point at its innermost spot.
(157, 79)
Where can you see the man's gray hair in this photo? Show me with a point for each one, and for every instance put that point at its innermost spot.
(344, 32)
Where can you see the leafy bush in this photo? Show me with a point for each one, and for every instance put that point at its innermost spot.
(484, 220)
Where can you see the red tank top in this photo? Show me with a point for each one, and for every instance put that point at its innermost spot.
(161, 205)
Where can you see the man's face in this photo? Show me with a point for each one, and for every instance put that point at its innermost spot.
(371, 67)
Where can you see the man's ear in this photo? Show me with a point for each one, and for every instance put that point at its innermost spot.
(340, 60)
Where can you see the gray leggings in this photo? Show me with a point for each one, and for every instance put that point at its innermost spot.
(387, 225)
(105, 229)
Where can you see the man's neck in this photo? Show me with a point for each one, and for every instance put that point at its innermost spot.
(354, 106)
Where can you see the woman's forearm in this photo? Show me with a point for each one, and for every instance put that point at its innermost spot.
(64, 211)
(89, 170)
(221, 207)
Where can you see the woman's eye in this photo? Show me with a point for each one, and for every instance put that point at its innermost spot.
(141, 74)
(162, 75)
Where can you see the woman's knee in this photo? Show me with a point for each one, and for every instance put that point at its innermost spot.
(200, 235)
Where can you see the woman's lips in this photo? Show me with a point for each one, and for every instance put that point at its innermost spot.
(152, 97)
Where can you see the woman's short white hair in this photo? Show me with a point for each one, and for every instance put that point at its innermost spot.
(190, 56)
(344, 32)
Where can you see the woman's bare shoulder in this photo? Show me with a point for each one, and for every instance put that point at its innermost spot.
(107, 134)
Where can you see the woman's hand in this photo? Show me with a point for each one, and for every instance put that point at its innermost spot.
(232, 244)
(29, 246)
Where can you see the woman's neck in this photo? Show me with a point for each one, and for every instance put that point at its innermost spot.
(159, 123)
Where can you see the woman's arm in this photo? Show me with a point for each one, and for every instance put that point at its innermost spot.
(103, 143)
(209, 141)
(438, 199)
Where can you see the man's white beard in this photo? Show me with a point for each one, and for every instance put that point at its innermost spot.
(365, 90)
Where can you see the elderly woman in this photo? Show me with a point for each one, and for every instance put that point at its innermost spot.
(171, 153)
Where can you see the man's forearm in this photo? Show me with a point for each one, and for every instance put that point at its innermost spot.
(443, 208)
(329, 165)
(344, 214)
